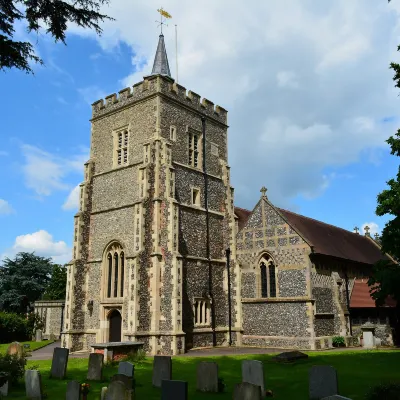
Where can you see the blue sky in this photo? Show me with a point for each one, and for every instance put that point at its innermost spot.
(309, 94)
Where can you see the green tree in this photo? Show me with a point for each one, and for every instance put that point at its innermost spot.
(52, 15)
(23, 280)
(57, 286)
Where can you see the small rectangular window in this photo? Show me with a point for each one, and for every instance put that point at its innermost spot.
(172, 133)
(196, 197)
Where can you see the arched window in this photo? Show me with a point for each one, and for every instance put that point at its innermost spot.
(115, 271)
(267, 277)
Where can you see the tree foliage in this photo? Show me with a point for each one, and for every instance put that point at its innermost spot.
(23, 280)
(57, 285)
(52, 15)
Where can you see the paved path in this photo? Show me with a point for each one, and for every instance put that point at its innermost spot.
(46, 353)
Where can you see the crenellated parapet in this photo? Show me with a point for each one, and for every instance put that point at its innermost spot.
(152, 85)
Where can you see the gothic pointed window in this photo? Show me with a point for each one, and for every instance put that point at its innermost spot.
(109, 275)
(201, 311)
(194, 145)
(267, 277)
(114, 272)
(122, 274)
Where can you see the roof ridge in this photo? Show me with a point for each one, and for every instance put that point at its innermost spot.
(243, 209)
(321, 222)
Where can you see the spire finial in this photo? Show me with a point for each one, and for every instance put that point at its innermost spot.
(356, 229)
(376, 236)
(263, 191)
(164, 14)
(161, 66)
(366, 229)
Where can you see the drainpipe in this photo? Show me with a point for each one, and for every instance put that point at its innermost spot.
(228, 255)
(346, 279)
(210, 280)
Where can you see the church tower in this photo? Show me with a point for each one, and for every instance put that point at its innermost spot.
(156, 216)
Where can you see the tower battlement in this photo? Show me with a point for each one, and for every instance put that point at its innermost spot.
(152, 85)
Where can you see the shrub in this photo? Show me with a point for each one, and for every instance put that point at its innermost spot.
(387, 391)
(135, 357)
(338, 341)
(13, 327)
(13, 365)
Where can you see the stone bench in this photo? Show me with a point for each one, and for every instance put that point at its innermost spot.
(116, 350)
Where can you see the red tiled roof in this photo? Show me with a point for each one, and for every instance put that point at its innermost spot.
(327, 239)
(361, 298)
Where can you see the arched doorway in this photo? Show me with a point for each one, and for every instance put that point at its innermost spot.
(115, 321)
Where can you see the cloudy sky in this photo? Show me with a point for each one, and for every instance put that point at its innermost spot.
(306, 83)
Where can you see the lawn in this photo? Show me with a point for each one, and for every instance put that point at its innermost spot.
(34, 345)
(357, 371)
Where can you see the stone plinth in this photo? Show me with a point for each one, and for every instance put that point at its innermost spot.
(113, 350)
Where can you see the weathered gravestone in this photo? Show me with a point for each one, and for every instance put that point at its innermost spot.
(126, 380)
(322, 382)
(247, 391)
(162, 369)
(176, 390)
(95, 368)
(126, 368)
(207, 377)
(15, 348)
(38, 335)
(73, 390)
(336, 397)
(59, 363)
(4, 390)
(33, 384)
(103, 394)
(290, 356)
(253, 372)
(117, 391)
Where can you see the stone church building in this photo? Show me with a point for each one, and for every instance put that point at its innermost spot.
(156, 217)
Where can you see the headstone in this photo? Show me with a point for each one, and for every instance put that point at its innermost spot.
(38, 335)
(73, 390)
(126, 380)
(33, 384)
(207, 377)
(103, 394)
(368, 332)
(322, 382)
(59, 363)
(126, 368)
(95, 368)
(15, 348)
(336, 397)
(4, 390)
(177, 390)
(247, 391)
(253, 372)
(162, 370)
(290, 356)
(117, 391)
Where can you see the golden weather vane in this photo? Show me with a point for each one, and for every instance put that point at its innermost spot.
(164, 14)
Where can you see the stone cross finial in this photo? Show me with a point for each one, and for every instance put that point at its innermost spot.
(264, 191)
(355, 229)
(366, 229)
(376, 236)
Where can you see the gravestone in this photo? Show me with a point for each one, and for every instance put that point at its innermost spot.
(95, 368)
(38, 335)
(162, 369)
(176, 390)
(73, 390)
(33, 384)
(207, 377)
(126, 368)
(290, 356)
(59, 363)
(253, 372)
(247, 391)
(4, 390)
(117, 391)
(322, 382)
(368, 332)
(15, 348)
(103, 394)
(336, 397)
(126, 380)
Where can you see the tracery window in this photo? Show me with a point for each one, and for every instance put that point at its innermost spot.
(201, 311)
(267, 276)
(115, 265)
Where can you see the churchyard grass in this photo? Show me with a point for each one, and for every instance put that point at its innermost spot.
(33, 345)
(357, 371)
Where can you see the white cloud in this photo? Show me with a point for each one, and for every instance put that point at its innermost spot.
(45, 172)
(373, 228)
(335, 53)
(72, 202)
(43, 244)
(91, 94)
(5, 207)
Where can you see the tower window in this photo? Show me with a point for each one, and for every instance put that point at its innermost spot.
(196, 197)
(214, 149)
(194, 149)
(202, 312)
(172, 133)
(114, 272)
(121, 143)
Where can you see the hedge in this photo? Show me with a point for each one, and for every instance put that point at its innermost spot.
(13, 327)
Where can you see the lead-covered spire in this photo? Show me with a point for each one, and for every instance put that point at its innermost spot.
(161, 66)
